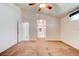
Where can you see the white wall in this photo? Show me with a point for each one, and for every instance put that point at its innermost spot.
(70, 32)
(9, 15)
(53, 25)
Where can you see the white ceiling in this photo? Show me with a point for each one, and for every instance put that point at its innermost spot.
(58, 10)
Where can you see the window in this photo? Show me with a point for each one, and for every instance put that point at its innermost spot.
(74, 16)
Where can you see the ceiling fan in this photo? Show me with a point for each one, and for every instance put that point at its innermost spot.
(42, 6)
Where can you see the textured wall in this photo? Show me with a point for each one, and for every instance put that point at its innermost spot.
(70, 32)
(9, 15)
(53, 25)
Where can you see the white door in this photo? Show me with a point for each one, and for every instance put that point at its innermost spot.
(24, 31)
(41, 28)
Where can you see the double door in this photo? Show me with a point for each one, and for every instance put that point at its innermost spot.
(41, 28)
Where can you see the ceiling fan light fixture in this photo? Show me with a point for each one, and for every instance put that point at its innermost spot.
(42, 5)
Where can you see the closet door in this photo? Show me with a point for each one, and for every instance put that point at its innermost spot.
(24, 31)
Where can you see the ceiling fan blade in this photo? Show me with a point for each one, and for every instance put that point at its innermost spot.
(31, 4)
(49, 7)
(39, 9)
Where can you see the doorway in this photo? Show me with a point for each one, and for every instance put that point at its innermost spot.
(41, 29)
(23, 31)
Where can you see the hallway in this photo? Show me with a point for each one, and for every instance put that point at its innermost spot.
(41, 48)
